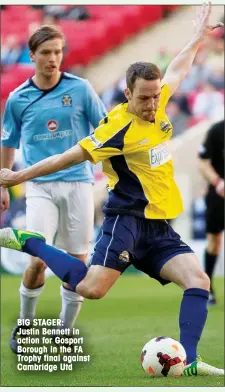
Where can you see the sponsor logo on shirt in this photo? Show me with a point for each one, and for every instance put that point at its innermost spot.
(159, 155)
(53, 136)
(52, 125)
(67, 100)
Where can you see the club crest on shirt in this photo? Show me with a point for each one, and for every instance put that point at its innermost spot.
(165, 126)
(124, 256)
(67, 100)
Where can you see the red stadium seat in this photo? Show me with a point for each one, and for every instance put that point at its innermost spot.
(170, 7)
(14, 76)
(117, 26)
(133, 18)
(99, 37)
(3, 103)
(8, 84)
(79, 54)
(17, 9)
(151, 13)
(33, 16)
(98, 11)
(24, 72)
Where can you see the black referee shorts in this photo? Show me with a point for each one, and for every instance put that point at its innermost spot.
(214, 213)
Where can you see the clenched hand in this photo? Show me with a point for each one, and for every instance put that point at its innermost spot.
(8, 178)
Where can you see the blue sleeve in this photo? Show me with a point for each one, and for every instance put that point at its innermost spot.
(94, 107)
(11, 126)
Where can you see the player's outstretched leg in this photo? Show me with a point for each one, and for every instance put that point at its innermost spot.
(68, 268)
(185, 271)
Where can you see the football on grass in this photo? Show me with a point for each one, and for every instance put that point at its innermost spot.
(163, 356)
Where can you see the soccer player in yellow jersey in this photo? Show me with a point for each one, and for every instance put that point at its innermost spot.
(132, 143)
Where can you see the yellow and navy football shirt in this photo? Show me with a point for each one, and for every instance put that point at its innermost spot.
(136, 158)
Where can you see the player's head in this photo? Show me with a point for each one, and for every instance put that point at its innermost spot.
(46, 49)
(143, 89)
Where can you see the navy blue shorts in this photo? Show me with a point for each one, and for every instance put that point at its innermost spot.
(146, 243)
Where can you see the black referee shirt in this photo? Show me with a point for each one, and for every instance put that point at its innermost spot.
(213, 147)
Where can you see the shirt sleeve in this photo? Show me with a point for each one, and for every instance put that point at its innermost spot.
(94, 107)
(206, 148)
(11, 126)
(105, 142)
(165, 96)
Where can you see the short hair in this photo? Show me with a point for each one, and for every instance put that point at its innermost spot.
(42, 34)
(142, 70)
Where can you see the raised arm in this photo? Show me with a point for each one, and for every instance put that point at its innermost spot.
(47, 166)
(181, 65)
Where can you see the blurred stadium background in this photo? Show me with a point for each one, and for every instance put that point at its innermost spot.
(102, 41)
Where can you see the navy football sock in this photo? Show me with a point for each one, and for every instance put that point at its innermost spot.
(193, 315)
(210, 262)
(68, 268)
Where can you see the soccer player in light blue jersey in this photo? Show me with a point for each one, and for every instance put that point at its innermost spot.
(49, 114)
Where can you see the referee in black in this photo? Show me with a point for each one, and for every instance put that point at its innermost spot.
(211, 163)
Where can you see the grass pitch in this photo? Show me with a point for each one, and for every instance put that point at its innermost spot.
(115, 329)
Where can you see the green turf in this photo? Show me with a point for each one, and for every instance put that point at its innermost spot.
(115, 329)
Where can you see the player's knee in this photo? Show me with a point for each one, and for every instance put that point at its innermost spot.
(198, 279)
(96, 293)
(204, 281)
(90, 292)
(37, 265)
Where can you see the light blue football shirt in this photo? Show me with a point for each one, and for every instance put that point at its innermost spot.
(49, 122)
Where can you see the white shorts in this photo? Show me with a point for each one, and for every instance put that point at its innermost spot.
(63, 212)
